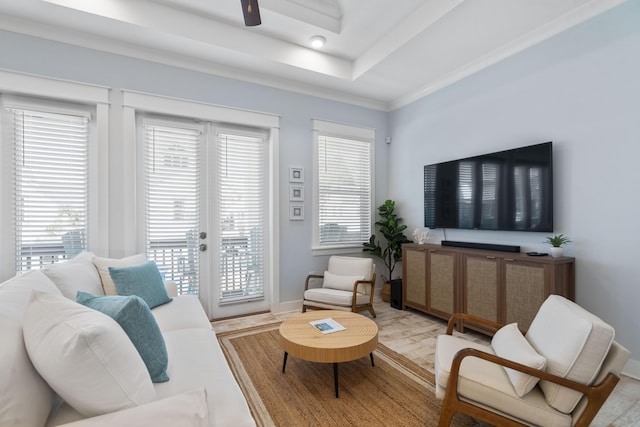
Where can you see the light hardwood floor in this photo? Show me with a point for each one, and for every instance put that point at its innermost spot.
(412, 334)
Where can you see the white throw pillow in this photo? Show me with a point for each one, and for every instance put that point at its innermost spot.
(15, 293)
(509, 343)
(187, 409)
(338, 281)
(25, 397)
(77, 274)
(85, 356)
(103, 264)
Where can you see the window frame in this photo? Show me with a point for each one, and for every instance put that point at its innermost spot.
(338, 130)
(36, 89)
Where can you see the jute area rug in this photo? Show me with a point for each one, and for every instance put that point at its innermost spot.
(396, 392)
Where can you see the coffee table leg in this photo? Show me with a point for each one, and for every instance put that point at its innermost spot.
(335, 377)
(371, 355)
(284, 362)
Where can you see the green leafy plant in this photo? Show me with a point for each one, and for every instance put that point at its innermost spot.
(558, 240)
(393, 233)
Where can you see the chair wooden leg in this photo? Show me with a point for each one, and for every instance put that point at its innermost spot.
(450, 403)
(373, 313)
(446, 415)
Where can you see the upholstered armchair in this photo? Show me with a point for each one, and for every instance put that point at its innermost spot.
(347, 285)
(559, 374)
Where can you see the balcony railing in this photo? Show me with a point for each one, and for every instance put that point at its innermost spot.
(178, 262)
(35, 257)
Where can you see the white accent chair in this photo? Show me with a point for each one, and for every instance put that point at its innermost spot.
(347, 285)
(559, 374)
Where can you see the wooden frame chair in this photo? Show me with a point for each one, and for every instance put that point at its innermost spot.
(347, 285)
(470, 403)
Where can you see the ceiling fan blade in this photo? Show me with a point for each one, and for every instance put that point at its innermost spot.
(251, 13)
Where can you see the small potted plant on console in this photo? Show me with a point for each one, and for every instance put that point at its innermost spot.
(556, 243)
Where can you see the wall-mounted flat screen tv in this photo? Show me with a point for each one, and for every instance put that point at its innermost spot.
(508, 190)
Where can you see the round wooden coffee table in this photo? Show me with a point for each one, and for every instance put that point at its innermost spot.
(305, 342)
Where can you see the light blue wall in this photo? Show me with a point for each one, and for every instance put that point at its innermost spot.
(581, 90)
(51, 59)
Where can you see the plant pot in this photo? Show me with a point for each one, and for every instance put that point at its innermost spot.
(386, 292)
(556, 252)
(396, 294)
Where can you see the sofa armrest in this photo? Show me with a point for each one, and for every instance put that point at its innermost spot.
(187, 409)
(172, 289)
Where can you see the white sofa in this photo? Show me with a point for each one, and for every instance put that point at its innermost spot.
(201, 390)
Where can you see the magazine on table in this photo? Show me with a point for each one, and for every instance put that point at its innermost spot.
(327, 326)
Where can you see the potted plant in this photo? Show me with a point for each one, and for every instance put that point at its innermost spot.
(389, 251)
(556, 243)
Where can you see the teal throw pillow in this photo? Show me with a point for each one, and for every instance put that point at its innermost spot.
(135, 318)
(143, 280)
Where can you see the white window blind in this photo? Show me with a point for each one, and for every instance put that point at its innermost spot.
(344, 187)
(50, 169)
(242, 206)
(172, 199)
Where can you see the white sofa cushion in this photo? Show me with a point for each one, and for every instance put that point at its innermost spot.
(509, 343)
(25, 398)
(103, 264)
(187, 409)
(196, 360)
(84, 356)
(487, 383)
(184, 312)
(575, 343)
(339, 281)
(77, 274)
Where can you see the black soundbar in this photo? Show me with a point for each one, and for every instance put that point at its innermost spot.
(485, 246)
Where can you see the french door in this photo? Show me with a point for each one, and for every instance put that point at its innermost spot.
(207, 211)
(238, 197)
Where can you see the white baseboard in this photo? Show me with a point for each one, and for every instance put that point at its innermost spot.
(286, 306)
(632, 369)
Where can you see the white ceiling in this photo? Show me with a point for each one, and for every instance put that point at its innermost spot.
(379, 53)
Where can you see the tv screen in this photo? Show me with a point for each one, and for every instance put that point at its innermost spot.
(508, 190)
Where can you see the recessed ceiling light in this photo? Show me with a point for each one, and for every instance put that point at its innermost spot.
(317, 41)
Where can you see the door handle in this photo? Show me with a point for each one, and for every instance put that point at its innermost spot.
(203, 235)
(203, 247)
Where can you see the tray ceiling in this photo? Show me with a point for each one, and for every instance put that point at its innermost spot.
(378, 54)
